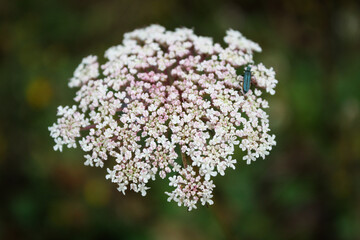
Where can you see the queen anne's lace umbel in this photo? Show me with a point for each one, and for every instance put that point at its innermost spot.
(170, 105)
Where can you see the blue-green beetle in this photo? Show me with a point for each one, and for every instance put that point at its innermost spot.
(247, 79)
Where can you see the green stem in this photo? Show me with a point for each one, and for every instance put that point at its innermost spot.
(220, 217)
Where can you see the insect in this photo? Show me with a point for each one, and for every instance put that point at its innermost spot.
(247, 79)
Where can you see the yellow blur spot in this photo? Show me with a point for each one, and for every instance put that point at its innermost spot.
(97, 192)
(39, 93)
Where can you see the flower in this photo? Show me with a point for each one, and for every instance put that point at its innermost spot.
(169, 104)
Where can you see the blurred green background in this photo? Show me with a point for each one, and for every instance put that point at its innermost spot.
(309, 186)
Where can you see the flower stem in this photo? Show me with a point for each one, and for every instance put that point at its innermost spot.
(184, 159)
(88, 127)
(220, 218)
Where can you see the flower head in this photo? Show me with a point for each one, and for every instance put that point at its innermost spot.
(169, 104)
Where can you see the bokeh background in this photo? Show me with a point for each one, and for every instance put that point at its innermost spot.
(308, 188)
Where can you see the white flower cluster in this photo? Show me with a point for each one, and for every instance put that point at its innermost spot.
(169, 104)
